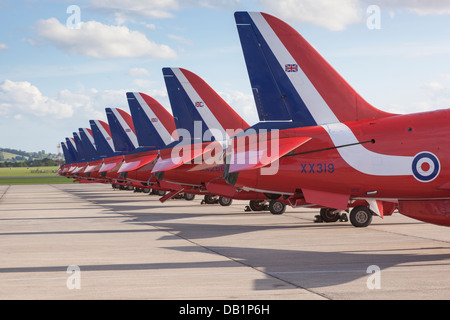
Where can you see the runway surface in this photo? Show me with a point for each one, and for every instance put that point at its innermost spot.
(91, 242)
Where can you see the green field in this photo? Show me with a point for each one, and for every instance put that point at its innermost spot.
(28, 172)
(38, 180)
(31, 175)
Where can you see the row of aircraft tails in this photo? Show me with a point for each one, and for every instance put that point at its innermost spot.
(318, 143)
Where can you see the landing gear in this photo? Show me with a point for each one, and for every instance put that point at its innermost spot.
(189, 196)
(360, 216)
(160, 193)
(225, 202)
(258, 205)
(329, 214)
(213, 199)
(210, 199)
(332, 215)
(277, 207)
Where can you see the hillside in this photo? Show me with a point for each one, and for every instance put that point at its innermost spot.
(13, 155)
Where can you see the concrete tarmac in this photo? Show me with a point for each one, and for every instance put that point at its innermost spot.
(92, 242)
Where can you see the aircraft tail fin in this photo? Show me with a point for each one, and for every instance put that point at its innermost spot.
(192, 99)
(71, 146)
(153, 123)
(82, 156)
(68, 157)
(102, 138)
(88, 143)
(290, 79)
(122, 130)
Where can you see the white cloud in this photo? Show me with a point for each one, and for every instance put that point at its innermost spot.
(3, 46)
(136, 72)
(333, 15)
(421, 7)
(438, 92)
(142, 83)
(157, 9)
(98, 40)
(150, 8)
(91, 103)
(22, 99)
(242, 103)
(181, 40)
(19, 98)
(337, 15)
(430, 96)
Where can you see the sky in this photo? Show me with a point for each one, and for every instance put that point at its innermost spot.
(63, 62)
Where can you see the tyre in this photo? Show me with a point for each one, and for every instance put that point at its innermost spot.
(360, 216)
(210, 199)
(161, 192)
(329, 214)
(225, 202)
(257, 205)
(277, 207)
(189, 196)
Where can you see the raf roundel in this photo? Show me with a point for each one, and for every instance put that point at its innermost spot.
(425, 166)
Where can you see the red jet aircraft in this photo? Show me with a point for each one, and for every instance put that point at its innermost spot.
(352, 154)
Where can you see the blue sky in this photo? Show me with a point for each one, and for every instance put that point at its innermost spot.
(53, 79)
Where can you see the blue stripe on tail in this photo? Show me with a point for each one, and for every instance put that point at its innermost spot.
(146, 133)
(275, 96)
(118, 134)
(183, 110)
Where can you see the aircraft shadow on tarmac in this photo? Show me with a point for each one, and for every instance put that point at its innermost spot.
(312, 269)
(282, 269)
(292, 268)
(126, 205)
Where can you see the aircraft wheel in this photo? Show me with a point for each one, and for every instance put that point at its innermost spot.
(146, 190)
(257, 205)
(210, 199)
(329, 214)
(277, 207)
(225, 202)
(189, 196)
(161, 192)
(360, 216)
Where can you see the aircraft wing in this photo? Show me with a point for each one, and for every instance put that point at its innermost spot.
(109, 163)
(170, 159)
(255, 156)
(92, 165)
(72, 167)
(79, 168)
(136, 161)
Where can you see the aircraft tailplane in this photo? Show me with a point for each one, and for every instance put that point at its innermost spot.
(291, 80)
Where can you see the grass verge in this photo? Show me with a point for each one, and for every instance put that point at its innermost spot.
(37, 180)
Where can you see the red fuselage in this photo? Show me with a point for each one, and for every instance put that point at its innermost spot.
(319, 164)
